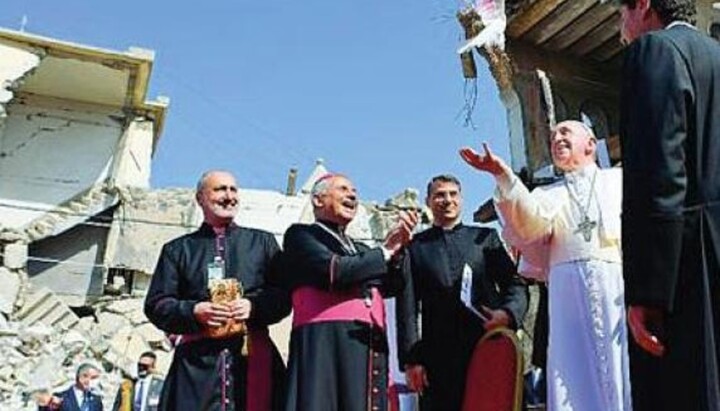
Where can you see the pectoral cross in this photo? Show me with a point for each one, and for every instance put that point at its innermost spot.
(585, 227)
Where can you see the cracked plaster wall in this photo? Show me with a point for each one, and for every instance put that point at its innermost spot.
(76, 283)
(49, 152)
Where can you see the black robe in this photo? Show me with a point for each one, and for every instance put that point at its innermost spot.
(337, 365)
(433, 272)
(670, 130)
(194, 381)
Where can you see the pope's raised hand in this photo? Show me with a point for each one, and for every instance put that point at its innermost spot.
(487, 162)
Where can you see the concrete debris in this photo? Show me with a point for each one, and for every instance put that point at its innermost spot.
(43, 343)
(125, 307)
(43, 306)
(9, 291)
(10, 235)
(15, 256)
(109, 323)
(151, 335)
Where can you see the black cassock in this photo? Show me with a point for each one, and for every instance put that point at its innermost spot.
(336, 365)
(204, 371)
(670, 130)
(433, 271)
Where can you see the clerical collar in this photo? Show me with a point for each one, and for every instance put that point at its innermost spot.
(680, 23)
(214, 231)
(586, 172)
(449, 229)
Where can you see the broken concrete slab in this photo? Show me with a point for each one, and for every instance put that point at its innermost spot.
(152, 335)
(15, 256)
(125, 307)
(15, 63)
(9, 290)
(110, 323)
(43, 306)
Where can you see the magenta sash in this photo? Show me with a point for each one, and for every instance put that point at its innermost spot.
(260, 364)
(312, 305)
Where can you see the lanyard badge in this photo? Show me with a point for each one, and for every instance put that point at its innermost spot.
(216, 270)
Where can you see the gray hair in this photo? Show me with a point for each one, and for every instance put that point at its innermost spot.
(322, 184)
(83, 368)
(201, 182)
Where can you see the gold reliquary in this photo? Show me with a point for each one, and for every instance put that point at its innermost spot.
(224, 291)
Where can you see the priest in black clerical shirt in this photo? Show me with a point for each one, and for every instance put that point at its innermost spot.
(437, 261)
(229, 371)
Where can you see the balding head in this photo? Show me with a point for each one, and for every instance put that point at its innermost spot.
(572, 145)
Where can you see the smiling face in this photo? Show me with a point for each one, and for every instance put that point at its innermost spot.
(218, 198)
(445, 202)
(335, 200)
(572, 146)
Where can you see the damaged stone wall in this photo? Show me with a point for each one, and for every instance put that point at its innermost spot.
(75, 144)
(43, 343)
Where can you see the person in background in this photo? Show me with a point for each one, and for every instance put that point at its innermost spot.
(84, 395)
(142, 393)
(437, 262)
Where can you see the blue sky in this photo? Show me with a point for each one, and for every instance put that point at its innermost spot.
(373, 87)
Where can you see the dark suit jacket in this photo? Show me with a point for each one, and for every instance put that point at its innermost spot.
(125, 402)
(432, 273)
(670, 130)
(69, 402)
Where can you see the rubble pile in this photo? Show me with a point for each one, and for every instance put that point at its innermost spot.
(44, 342)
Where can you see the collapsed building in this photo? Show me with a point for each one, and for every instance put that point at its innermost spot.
(76, 135)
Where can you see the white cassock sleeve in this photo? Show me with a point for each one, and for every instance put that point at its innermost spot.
(527, 220)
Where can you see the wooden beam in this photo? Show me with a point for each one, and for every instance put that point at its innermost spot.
(608, 50)
(596, 37)
(580, 27)
(528, 57)
(529, 16)
(560, 18)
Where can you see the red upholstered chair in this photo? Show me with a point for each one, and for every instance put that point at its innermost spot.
(494, 377)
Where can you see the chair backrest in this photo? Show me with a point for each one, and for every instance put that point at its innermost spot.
(494, 376)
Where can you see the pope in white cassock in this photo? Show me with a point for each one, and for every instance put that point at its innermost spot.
(569, 235)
